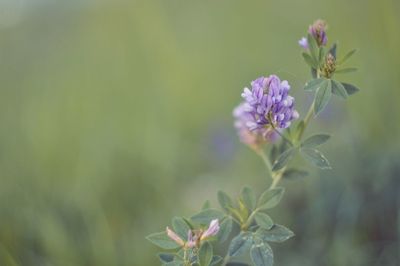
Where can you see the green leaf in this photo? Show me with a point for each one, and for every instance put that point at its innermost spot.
(180, 227)
(299, 130)
(261, 255)
(240, 244)
(224, 200)
(248, 198)
(162, 240)
(345, 70)
(315, 140)
(270, 198)
(322, 96)
(283, 159)
(205, 254)
(263, 220)
(215, 260)
(314, 84)
(315, 157)
(350, 89)
(225, 229)
(347, 56)
(312, 46)
(206, 205)
(273, 154)
(294, 173)
(321, 56)
(332, 50)
(166, 257)
(338, 89)
(174, 263)
(278, 233)
(309, 60)
(314, 73)
(204, 217)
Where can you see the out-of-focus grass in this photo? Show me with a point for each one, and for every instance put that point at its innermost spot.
(116, 116)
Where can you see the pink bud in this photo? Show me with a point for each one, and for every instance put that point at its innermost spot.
(212, 230)
(171, 234)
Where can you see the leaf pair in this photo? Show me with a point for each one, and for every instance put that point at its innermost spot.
(314, 156)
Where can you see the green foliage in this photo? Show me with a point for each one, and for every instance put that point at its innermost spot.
(263, 220)
(347, 56)
(240, 244)
(225, 229)
(350, 89)
(345, 70)
(205, 254)
(204, 217)
(224, 201)
(277, 233)
(315, 157)
(261, 254)
(180, 227)
(162, 240)
(270, 198)
(293, 173)
(166, 257)
(322, 96)
(315, 140)
(314, 84)
(283, 159)
(248, 198)
(338, 89)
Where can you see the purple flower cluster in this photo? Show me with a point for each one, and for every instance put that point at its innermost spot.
(267, 106)
(318, 31)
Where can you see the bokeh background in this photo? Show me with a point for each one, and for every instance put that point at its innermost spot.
(116, 116)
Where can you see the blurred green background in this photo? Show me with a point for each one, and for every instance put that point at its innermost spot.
(116, 116)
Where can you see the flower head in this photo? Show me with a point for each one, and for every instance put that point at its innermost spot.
(212, 230)
(267, 107)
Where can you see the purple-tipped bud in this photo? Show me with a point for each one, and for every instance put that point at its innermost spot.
(212, 229)
(318, 31)
(171, 234)
(303, 43)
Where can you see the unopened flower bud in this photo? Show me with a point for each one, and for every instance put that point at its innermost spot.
(330, 66)
(171, 234)
(318, 31)
(212, 229)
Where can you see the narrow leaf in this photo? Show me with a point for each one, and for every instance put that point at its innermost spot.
(347, 56)
(345, 70)
(309, 60)
(294, 173)
(313, 84)
(322, 96)
(224, 200)
(205, 254)
(248, 198)
(261, 255)
(204, 217)
(283, 159)
(278, 233)
(162, 240)
(215, 260)
(338, 89)
(316, 158)
(166, 257)
(270, 198)
(180, 227)
(315, 140)
(312, 46)
(332, 50)
(225, 229)
(350, 89)
(263, 220)
(240, 244)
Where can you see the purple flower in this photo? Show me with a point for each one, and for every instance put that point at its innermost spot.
(267, 107)
(303, 43)
(318, 31)
(212, 229)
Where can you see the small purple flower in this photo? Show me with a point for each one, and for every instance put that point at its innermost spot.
(212, 229)
(171, 234)
(318, 31)
(303, 43)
